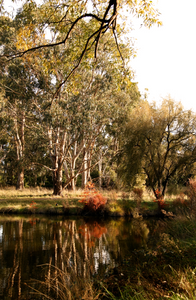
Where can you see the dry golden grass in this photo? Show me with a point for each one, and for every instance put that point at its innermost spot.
(65, 286)
(12, 192)
(40, 191)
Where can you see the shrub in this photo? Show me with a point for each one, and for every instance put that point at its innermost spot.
(180, 201)
(138, 194)
(159, 199)
(33, 206)
(125, 196)
(92, 200)
(191, 191)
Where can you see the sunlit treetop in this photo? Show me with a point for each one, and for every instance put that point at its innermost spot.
(77, 25)
(107, 16)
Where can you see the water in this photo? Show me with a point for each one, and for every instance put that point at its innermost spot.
(35, 249)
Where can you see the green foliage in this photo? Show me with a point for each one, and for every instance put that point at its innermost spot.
(55, 120)
(157, 142)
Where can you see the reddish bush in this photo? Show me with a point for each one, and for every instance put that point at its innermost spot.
(92, 200)
(33, 206)
(159, 199)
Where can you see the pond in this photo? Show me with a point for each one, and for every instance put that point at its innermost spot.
(34, 248)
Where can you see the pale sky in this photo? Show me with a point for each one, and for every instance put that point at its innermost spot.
(166, 55)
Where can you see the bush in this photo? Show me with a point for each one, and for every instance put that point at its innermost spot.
(93, 200)
(159, 200)
(180, 201)
(191, 191)
(138, 196)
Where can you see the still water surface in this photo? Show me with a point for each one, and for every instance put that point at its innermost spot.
(33, 247)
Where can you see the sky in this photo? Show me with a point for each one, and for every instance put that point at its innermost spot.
(166, 56)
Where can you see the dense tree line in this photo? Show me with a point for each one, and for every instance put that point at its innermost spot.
(64, 135)
(68, 115)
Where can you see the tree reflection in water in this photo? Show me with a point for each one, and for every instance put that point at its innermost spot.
(61, 252)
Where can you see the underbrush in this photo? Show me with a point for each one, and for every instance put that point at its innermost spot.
(61, 285)
(93, 201)
(163, 269)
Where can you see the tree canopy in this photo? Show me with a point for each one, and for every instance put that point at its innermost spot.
(67, 20)
(70, 132)
(158, 141)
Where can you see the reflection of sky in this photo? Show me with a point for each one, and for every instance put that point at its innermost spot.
(101, 256)
(1, 233)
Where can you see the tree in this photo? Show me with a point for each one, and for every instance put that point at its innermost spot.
(74, 128)
(70, 16)
(77, 126)
(158, 141)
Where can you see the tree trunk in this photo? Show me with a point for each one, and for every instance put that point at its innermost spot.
(20, 180)
(20, 146)
(57, 182)
(73, 184)
(100, 170)
(84, 174)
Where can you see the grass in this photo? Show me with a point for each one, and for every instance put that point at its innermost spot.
(41, 200)
(37, 200)
(64, 286)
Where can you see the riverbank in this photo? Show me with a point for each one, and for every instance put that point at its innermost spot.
(119, 204)
(162, 268)
(72, 207)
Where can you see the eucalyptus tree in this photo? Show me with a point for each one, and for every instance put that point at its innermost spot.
(71, 116)
(19, 98)
(99, 17)
(159, 142)
(76, 125)
(19, 86)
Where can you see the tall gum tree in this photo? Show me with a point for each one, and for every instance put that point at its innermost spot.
(17, 84)
(76, 125)
(19, 95)
(33, 19)
(69, 16)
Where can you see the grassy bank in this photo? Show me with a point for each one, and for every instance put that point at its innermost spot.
(37, 201)
(42, 201)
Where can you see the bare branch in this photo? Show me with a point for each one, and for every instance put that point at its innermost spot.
(38, 164)
(117, 45)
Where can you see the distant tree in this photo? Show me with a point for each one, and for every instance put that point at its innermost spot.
(159, 142)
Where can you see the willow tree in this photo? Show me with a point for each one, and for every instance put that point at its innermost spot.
(159, 142)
